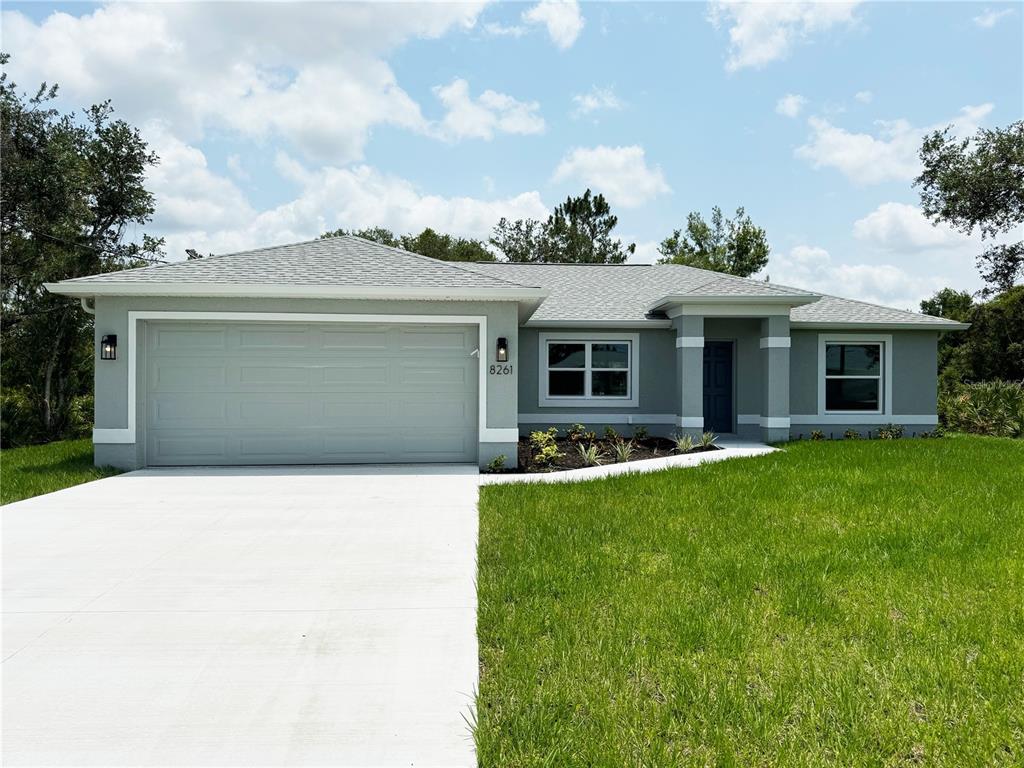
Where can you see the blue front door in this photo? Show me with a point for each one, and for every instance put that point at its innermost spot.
(718, 386)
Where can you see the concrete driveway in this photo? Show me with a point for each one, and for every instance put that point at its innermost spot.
(258, 616)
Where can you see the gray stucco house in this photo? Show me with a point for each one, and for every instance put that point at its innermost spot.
(346, 351)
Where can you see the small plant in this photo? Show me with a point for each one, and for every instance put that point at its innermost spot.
(611, 434)
(707, 439)
(817, 434)
(640, 433)
(590, 436)
(890, 432)
(575, 432)
(590, 455)
(851, 434)
(684, 443)
(623, 450)
(497, 463)
(545, 447)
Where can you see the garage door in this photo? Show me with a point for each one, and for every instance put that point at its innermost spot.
(293, 393)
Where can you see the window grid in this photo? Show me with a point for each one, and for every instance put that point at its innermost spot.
(589, 370)
(867, 376)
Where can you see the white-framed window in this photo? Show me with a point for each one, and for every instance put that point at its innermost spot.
(596, 369)
(854, 374)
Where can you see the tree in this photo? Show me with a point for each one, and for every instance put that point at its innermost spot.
(436, 245)
(978, 182)
(71, 187)
(992, 348)
(579, 231)
(734, 246)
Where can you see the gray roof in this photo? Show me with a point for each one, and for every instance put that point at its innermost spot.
(624, 293)
(335, 261)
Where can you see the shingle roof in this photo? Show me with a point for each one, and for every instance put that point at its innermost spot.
(337, 261)
(624, 293)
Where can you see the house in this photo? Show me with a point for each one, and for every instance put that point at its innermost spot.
(345, 351)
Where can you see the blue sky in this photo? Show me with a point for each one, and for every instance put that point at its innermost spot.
(277, 122)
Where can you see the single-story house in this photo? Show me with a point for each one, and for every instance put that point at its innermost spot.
(345, 351)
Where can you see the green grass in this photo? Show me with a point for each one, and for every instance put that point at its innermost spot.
(841, 603)
(38, 469)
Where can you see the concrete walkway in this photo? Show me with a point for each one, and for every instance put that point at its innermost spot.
(273, 616)
(731, 448)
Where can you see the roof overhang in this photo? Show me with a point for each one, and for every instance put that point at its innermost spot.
(853, 326)
(743, 304)
(614, 324)
(527, 298)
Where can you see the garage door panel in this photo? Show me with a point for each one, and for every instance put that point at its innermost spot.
(259, 393)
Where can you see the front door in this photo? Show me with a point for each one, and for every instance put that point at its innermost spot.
(718, 386)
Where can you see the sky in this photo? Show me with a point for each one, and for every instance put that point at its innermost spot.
(277, 122)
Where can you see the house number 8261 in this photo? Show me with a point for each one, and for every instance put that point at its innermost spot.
(501, 370)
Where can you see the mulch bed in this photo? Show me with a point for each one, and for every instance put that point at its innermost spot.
(647, 448)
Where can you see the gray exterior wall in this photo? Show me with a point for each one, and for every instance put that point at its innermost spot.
(111, 382)
(914, 384)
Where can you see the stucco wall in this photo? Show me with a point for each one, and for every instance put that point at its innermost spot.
(112, 375)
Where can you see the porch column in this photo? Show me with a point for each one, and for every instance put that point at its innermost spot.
(690, 373)
(775, 378)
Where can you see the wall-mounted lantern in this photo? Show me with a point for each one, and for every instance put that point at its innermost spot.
(108, 347)
(501, 354)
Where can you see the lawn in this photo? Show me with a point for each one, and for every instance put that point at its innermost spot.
(38, 469)
(839, 603)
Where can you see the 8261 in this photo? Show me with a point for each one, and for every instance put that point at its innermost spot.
(500, 370)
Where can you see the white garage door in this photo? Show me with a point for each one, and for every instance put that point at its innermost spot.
(323, 393)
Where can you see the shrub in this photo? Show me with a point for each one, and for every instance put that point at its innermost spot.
(575, 432)
(623, 450)
(640, 433)
(707, 439)
(684, 443)
(545, 447)
(851, 434)
(591, 455)
(890, 432)
(497, 463)
(817, 434)
(988, 408)
(611, 434)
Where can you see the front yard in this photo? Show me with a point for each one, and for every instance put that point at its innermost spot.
(839, 603)
(38, 469)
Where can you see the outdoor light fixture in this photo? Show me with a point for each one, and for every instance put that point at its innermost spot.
(502, 353)
(108, 347)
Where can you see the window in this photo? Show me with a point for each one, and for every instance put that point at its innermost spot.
(853, 377)
(592, 370)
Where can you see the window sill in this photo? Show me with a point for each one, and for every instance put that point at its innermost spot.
(588, 402)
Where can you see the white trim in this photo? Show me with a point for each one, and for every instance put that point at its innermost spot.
(690, 421)
(632, 400)
(689, 341)
(774, 422)
(597, 418)
(773, 342)
(130, 433)
(728, 310)
(872, 418)
(885, 412)
(684, 300)
(748, 418)
(499, 435)
(274, 290)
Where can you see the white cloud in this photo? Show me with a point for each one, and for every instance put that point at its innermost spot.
(763, 32)
(237, 167)
(595, 100)
(481, 118)
(990, 18)
(646, 251)
(790, 104)
(620, 173)
(317, 79)
(864, 97)
(903, 228)
(891, 155)
(814, 269)
(562, 18)
(501, 30)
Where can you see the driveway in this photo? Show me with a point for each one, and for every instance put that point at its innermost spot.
(270, 616)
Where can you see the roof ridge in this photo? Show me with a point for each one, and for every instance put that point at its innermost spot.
(450, 264)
